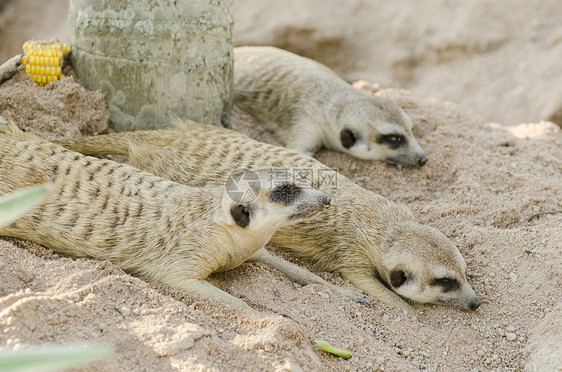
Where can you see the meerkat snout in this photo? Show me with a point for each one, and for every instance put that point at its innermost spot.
(423, 265)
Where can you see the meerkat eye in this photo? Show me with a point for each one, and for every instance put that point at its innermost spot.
(347, 138)
(285, 194)
(241, 215)
(393, 140)
(397, 277)
(448, 284)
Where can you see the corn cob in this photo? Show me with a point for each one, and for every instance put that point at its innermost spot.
(43, 60)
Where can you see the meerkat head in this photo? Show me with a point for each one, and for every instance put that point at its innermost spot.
(376, 128)
(266, 199)
(421, 264)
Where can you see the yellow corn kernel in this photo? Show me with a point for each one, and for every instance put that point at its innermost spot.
(43, 60)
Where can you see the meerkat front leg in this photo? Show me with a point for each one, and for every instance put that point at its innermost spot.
(9, 68)
(299, 274)
(371, 286)
(305, 137)
(205, 289)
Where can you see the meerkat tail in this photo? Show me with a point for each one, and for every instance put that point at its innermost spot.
(9, 68)
(121, 143)
(106, 144)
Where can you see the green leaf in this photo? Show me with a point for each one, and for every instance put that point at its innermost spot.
(17, 203)
(323, 345)
(51, 358)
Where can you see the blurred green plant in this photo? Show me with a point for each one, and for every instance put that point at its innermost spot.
(43, 358)
(48, 358)
(17, 203)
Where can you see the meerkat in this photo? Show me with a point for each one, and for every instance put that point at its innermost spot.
(307, 106)
(153, 228)
(374, 243)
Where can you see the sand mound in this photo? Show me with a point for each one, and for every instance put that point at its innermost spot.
(484, 187)
(63, 109)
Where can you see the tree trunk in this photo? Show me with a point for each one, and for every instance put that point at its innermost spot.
(155, 59)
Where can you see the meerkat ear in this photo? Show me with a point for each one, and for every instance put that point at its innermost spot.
(241, 215)
(347, 138)
(397, 277)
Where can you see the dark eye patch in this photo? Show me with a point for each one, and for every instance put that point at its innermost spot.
(347, 138)
(241, 215)
(285, 194)
(393, 140)
(448, 284)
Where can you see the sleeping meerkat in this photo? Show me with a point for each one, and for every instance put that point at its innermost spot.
(308, 106)
(376, 244)
(152, 228)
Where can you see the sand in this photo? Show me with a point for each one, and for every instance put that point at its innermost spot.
(484, 187)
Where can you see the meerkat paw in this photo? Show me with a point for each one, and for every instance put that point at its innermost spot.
(306, 152)
(411, 312)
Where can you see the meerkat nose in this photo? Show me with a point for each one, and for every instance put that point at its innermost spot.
(474, 304)
(421, 161)
(326, 201)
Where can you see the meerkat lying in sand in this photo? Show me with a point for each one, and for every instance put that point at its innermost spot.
(374, 243)
(308, 106)
(153, 228)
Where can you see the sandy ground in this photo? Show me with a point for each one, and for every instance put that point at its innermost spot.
(483, 187)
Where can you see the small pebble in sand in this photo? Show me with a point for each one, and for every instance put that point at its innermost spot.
(513, 277)
(510, 336)
(385, 318)
(125, 311)
(510, 328)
